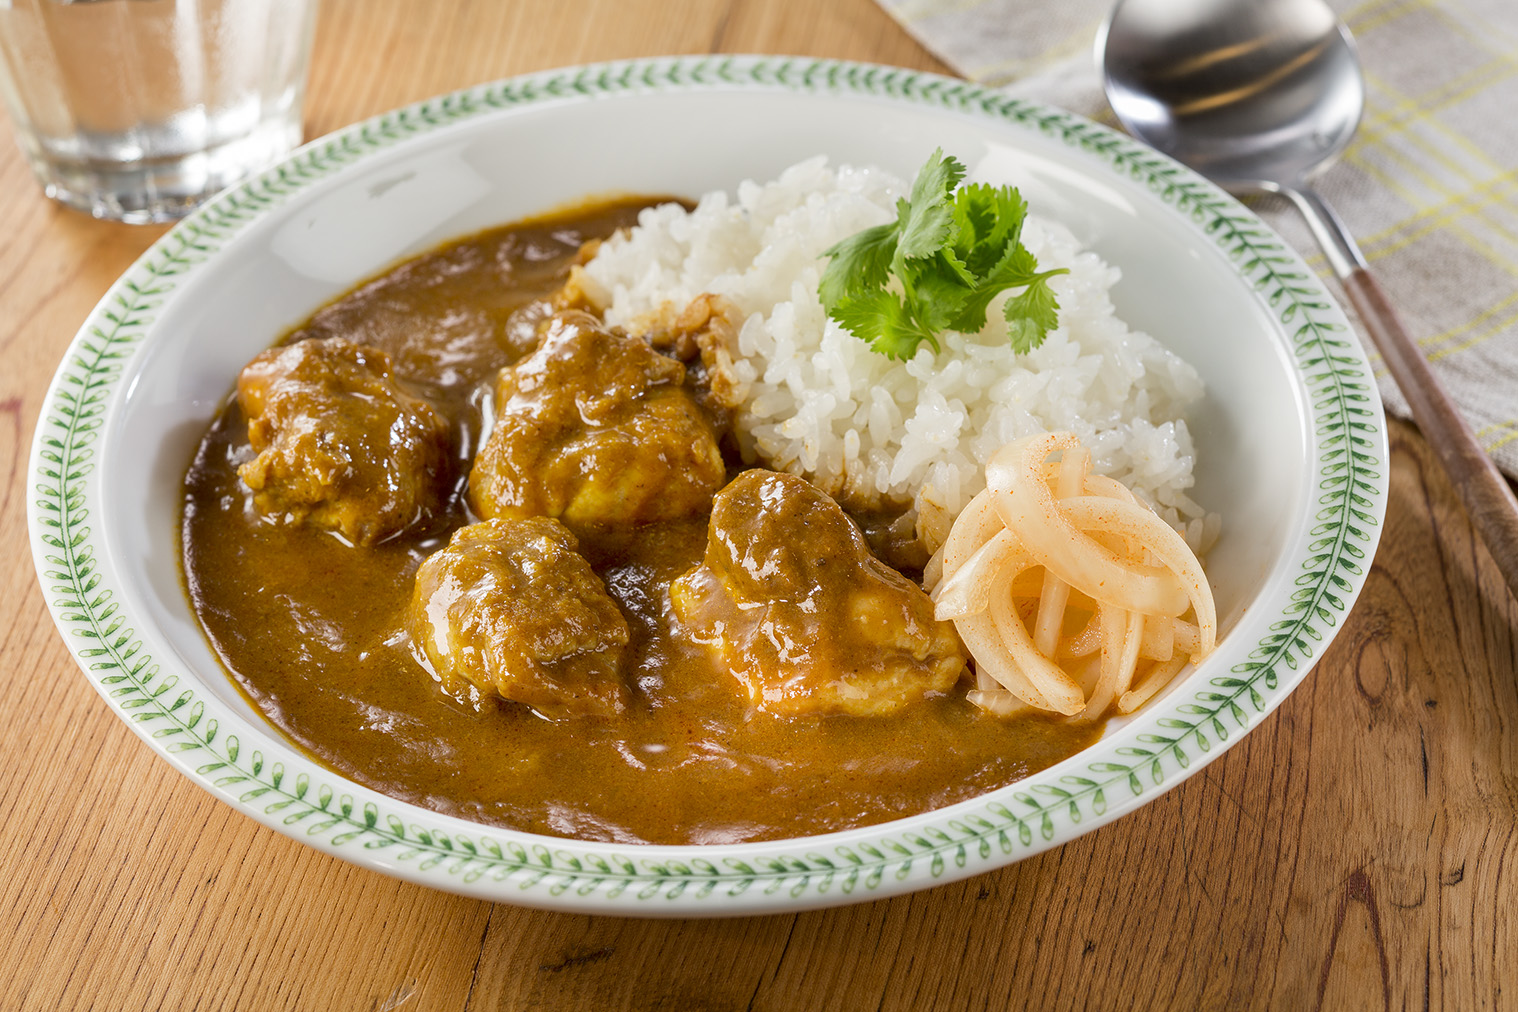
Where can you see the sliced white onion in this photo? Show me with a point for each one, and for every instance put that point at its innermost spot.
(1046, 537)
(1144, 525)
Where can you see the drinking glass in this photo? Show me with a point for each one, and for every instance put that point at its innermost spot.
(138, 110)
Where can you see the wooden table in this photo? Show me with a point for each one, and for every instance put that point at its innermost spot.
(1356, 851)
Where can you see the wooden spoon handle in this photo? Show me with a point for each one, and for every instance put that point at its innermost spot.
(1488, 498)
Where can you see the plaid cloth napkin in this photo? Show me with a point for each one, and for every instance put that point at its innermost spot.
(1429, 187)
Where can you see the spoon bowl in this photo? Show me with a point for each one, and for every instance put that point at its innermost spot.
(1252, 95)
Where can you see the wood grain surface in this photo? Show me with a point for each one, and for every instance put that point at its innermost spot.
(1356, 851)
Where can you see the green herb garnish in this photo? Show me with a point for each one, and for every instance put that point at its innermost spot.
(952, 251)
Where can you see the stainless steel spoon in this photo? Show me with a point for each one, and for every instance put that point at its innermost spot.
(1260, 95)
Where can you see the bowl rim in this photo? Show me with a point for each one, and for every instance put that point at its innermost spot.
(259, 774)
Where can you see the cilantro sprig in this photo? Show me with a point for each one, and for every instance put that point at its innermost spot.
(951, 250)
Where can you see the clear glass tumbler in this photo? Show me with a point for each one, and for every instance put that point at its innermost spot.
(138, 110)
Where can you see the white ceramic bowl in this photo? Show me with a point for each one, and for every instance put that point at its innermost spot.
(1291, 443)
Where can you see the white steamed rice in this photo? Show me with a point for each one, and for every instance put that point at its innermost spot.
(871, 430)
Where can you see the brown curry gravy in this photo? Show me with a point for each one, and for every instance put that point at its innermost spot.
(313, 630)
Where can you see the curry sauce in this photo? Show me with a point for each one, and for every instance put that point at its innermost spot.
(314, 630)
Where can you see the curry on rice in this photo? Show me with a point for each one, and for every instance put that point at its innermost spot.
(469, 545)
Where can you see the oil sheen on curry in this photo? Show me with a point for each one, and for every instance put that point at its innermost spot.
(466, 545)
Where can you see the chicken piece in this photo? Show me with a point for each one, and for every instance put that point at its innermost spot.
(595, 428)
(510, 608)
(340, 446)
(791, 601)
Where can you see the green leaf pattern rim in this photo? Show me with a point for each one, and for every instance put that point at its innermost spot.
(1348, 478)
